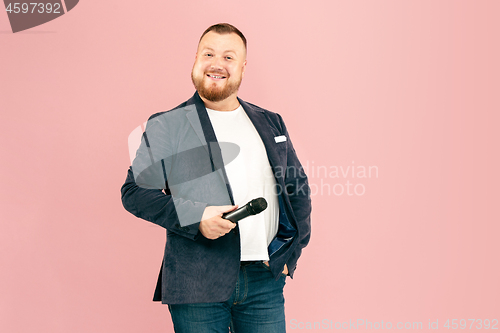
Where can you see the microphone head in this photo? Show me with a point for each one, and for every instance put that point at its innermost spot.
(256, 206)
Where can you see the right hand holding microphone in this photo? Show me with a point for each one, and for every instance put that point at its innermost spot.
(212, 225)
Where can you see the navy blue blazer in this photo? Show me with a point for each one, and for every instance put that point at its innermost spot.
(160, 188)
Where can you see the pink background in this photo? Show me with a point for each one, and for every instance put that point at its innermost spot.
(410, 87)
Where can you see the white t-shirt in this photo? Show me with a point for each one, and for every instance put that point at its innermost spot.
(250, 177)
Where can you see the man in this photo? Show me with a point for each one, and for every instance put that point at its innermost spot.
(194, 163)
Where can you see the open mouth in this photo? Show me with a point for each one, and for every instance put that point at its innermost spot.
(216, 77)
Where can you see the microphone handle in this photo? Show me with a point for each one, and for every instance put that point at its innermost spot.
(237, 215)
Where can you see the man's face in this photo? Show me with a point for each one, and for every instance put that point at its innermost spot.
(219, 66)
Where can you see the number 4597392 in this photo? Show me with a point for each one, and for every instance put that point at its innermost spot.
(486, 324)
(41, 8)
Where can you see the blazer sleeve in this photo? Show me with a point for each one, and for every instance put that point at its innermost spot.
(145, 192)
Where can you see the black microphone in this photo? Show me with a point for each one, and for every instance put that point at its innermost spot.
(253, 207)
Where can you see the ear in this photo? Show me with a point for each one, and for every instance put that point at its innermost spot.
(243, 68)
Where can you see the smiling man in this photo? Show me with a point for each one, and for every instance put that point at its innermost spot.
(205, 158)
(219, 68)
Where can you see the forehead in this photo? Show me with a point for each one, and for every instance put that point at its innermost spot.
(222, 42)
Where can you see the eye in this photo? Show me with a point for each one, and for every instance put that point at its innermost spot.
(229, 57)
(208, 54)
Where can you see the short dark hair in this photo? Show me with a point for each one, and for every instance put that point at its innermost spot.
(225, 28)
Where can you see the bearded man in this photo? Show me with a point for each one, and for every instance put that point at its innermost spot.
(205, 158)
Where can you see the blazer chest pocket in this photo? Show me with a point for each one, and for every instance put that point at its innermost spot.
(281, 150)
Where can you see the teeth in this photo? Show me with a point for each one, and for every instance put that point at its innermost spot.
(215, 77)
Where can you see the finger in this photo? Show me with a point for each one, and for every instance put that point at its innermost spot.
(224, 224)
(224, 229)
(227, 209)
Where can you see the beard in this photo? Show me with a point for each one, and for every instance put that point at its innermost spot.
(212, 92)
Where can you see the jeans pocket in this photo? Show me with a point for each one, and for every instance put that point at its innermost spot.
(269, 269)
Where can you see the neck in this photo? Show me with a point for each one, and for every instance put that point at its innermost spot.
(229, 104)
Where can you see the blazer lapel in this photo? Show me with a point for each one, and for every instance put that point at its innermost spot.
(203, 128)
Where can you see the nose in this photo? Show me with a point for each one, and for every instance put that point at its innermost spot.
(216, 63)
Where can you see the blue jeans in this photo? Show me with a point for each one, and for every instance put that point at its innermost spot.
(257, 305)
